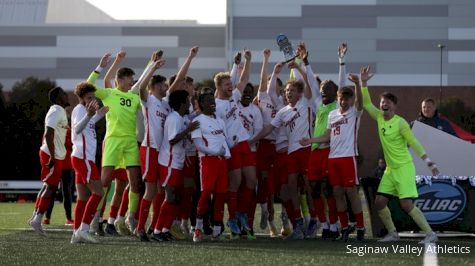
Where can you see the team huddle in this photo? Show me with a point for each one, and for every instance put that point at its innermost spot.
(294, 140)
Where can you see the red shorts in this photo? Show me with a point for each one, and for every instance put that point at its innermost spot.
(85, 170)
(189, 169)
(342, 171)
(214, 174)
(318, 164)
(297, 161)
(240, 156)
(170, 176)
(149, 164)
(280, 174)
(266, 154)
(120, 174)
(50, 176)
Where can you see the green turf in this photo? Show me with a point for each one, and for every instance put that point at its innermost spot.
(23, 247)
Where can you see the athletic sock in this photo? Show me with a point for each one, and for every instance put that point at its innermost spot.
(216, 230)
(245, 197)
(91, 207)
(79, 213)
(199, 224)
(143, 214)
(232, 204)
(134, 199)
(343, 219)
(44, 204)
(332, 212)
(112, 214)
(333, 227)
(304, 205)
(156, 204)
(359, 220)
(420, 220)
(124, 203)
(319, 209)
(385, 216)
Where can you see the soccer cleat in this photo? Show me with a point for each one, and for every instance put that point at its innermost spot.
(297, 233)
(156, 237)
(390, 237)
(100, 230)
(333, 235)
(185, 230)
(325, 234)
(285, 231)
(360, 234)
(86, 237)
(94, 226)
(150, 231)
(285, 219)
(75, 239)
(130, 223)
(351, 228)
(110, 230)
(233, 226)
(197, 236)
(242, 218)
(176, 233)
(272, 230)
(250, 235)
(121, 227)
(166, 236)
(143, 236)
(36, 225)
(68, 222)
(264, 218)
(345, 234)
(431, 237)
(46, 221)
(311, 229)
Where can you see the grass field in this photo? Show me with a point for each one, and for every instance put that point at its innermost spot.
(21, 246)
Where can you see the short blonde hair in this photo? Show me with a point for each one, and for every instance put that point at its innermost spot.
(218, 78)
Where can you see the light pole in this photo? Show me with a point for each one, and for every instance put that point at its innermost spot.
(441, 47)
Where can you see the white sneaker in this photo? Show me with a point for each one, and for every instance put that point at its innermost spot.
(119, 224)
(36, 225)
(86, 237)
(94, 228)
(130, 223)
(75, 239)
(431, 237)
(390, 237)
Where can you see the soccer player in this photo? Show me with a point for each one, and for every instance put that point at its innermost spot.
(211, 142)
(342, 133)
(241, 162)
(171, 160)
(296, 119)
(83, 120)
(52, 154)
(399, 177)
(318, 162)
(120, 141)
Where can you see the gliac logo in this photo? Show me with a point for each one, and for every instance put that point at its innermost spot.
(442, 202)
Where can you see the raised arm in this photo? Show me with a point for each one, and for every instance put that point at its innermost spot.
(272, 87)
(235, 69)
(341, 60)
(244, 79)
(312, 81)
(307, 92)
(109, 78)
(181, 75)
(358, 101)
(100, 93)
(144, 83)
(367, 104)
(156, 55)
(265, 62)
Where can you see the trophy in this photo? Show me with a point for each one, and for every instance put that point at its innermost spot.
(286, 47)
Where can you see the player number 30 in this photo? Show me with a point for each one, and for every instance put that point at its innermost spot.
(126, 102)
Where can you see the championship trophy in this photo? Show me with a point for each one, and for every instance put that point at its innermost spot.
(286, 47)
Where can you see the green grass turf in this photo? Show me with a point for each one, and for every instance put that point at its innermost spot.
(24, 247)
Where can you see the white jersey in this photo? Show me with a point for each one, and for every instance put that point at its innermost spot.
(172, 156)
(281, 141)
(269, 110)
(251, 118)
(84, 143)
(344, 132)
(190, 148)
(297, 122)
(56, 119)
(155, 113)
(228, 111)
(213, 133)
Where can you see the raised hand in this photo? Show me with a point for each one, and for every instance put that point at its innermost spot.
(105, 60)
(92, 107)
(193, 52)
(121, 55)
(237, 58)
(157, 55)
(247, 54)
(365, 75)
(342, 50)
(102, 111)
(266, 53)
(158, 64)
(302, 50)
(278, 68)
(354, 78)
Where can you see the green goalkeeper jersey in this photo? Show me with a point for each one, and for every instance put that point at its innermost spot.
(395, 134)
(122, 115)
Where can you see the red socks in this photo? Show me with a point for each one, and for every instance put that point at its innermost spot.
(79, 213)
(144, 210)
(43, 204)
(219, 199)
(124, 203)
(157, 204)
(343, 219)
(167, 215)
(113, 211)
(186, 203)
(318, 210)
(359, 220)
(205, 197)
(91, 208)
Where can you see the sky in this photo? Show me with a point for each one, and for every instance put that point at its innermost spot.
(204, 11)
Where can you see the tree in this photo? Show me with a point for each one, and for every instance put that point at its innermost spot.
(456, 111)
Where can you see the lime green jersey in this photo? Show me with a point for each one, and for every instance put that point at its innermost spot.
(321, 121)
(395, 134)
(122, 116)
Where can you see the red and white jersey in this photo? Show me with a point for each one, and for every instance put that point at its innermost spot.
(344, 132)
(251, 118)
(281, 140)
(155, 113)
(56, 119)
(228, 111)
(172, 156)
(190, 147)
(269, 111)
(297, 121)
(84, 143)
(213, 132)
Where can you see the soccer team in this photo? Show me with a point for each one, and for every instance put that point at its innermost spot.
(295, 140)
